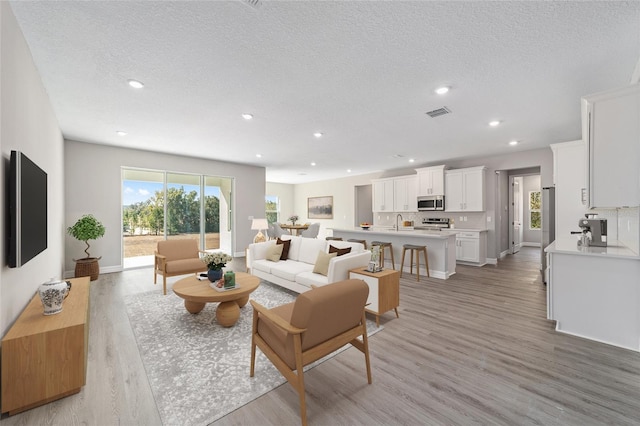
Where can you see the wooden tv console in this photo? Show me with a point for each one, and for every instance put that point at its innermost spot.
(44, 358)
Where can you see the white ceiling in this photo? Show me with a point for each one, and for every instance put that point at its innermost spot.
(363, 73)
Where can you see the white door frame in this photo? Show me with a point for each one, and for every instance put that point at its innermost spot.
(515, 213)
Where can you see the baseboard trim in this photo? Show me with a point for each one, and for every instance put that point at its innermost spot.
(492, 260)
(530, 244)
(504, 254)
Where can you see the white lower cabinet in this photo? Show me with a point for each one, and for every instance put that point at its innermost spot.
(471, 247)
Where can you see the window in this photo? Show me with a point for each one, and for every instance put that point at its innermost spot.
(272, 208)
(534, 210)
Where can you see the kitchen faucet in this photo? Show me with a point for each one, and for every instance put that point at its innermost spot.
(398, 216)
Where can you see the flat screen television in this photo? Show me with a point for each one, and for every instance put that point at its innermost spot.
(27, 210)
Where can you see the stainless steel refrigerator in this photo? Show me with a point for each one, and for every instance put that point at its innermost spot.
(548, 225)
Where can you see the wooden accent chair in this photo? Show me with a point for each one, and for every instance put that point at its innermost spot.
(177, 257)
(319, 322)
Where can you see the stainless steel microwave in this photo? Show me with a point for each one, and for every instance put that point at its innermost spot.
(430, 203)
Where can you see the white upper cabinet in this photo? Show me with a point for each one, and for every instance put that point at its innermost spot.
(382, 195)
(611, 129)
(406, 194)
(431, 181)
(464, 189)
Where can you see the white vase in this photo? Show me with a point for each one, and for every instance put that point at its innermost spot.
(52, 294)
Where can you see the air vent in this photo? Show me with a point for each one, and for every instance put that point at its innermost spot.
(253, 3)
(438, 112)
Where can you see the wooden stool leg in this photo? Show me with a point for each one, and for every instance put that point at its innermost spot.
(393, 261)
(404, 250)
(426, 261)
(411, 262)
(382, 256)
(417, 265)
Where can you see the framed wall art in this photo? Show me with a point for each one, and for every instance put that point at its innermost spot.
(320, 207)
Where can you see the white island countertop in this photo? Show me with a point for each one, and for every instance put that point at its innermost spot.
(441, 246)
(570, 246)
(443, 234)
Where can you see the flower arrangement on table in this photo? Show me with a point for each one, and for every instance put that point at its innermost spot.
(217, 260)
(293, 218)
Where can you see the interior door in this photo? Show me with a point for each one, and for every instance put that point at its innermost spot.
(515, 213)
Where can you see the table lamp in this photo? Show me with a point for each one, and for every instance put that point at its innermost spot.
(259, 225)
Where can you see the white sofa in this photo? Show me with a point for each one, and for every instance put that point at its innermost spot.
(296, 273)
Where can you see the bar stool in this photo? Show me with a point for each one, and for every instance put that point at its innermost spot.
(418, 250)
(354, 240)
(383, 245)
(333, 238)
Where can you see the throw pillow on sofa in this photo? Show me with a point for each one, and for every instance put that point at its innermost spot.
(340, 251)
(322, 263)
(275, 252)
(285, 248)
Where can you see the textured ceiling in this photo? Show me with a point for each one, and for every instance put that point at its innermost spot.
(363, 73)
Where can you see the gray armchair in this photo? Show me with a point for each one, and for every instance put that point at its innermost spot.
(278, 231)
(312, 231)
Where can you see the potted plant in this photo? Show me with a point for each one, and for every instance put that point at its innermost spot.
(215, 262)
(85, 229)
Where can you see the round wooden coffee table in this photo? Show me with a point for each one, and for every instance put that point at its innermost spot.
(198, 293)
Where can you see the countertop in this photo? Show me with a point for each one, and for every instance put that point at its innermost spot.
(570, 246)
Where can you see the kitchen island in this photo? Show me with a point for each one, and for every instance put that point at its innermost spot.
(441, 247)
(593, 292)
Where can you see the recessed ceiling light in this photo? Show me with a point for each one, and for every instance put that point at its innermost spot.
(247, 116)
(411, 160)
(442, 90)
(136, 84)
(313, 163)
(348, 170)
(121, 133)
(317, 134)
(259, 155)
(513, 143)
(494, 123)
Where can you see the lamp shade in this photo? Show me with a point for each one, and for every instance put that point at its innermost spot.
(259, 224)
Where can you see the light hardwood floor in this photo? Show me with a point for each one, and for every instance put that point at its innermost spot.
(475, 349)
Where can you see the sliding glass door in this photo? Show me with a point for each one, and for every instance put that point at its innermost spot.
(159, 205)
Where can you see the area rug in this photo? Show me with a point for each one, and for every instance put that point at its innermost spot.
(198, 370)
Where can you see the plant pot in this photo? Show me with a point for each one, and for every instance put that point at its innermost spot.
(88, 267)
(214, 274)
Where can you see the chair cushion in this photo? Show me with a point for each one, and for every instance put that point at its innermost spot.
(286, 244)
(277, 338)
(340, 251)
(329, 310)
(322, 262)
(274, 252)
(185, 266)
(178, 249)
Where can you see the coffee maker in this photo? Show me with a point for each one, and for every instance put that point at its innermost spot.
(594, 231)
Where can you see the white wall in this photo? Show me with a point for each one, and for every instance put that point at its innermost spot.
(530, 183)
(93, 185)
(27, 124)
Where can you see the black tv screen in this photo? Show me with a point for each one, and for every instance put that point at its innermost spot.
(27, 210)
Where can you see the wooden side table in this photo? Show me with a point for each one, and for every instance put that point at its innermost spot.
(384, 290)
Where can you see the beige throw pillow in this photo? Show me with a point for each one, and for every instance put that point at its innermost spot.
(274, 252)
(322, 262)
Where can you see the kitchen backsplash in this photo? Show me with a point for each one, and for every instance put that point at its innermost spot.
(474, 220)
(622, 225)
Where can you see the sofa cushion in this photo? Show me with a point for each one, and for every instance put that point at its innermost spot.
(186, 266)
(286, 244)
(294, 248)
(340, 251)
(259, 250)
(262, 265)
(289, 269)
(309, 248)
(322, 262)
(274, 252)
(309, 278)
